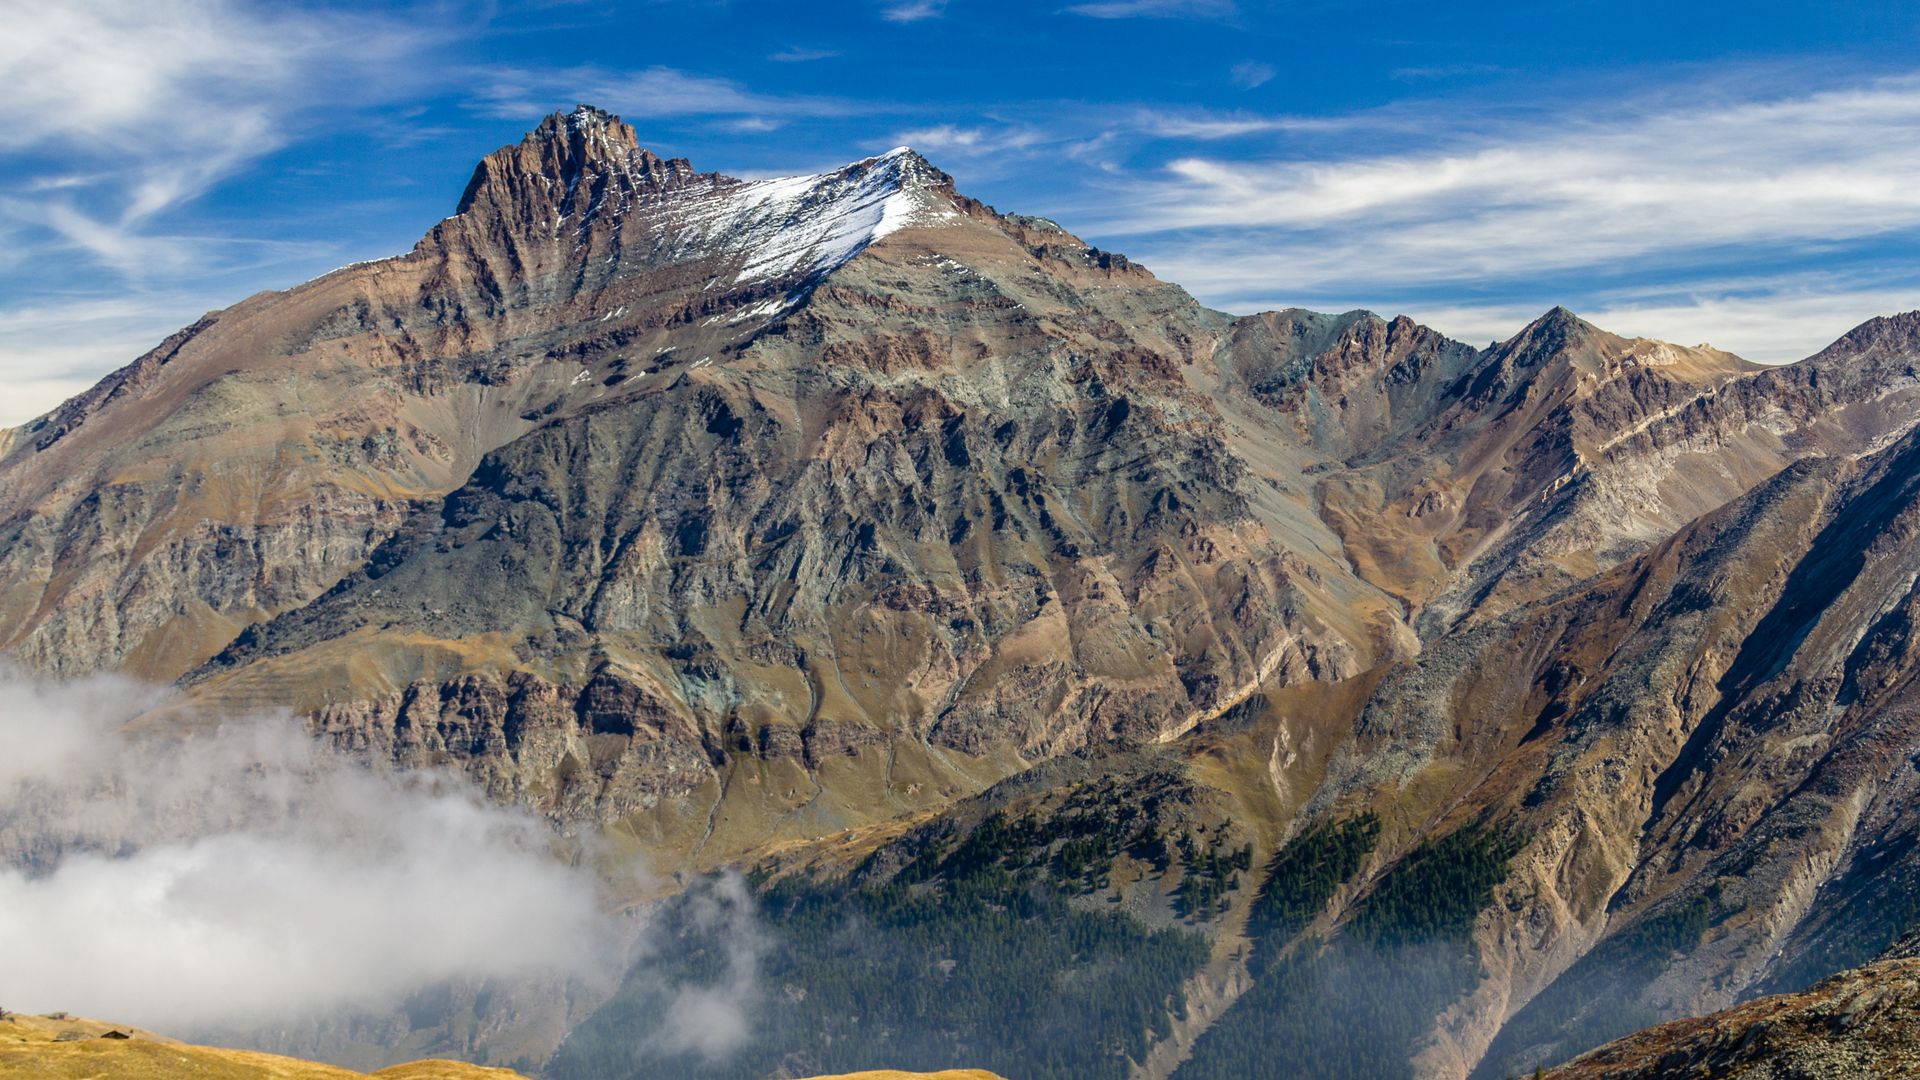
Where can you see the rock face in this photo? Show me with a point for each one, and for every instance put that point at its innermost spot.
(846, 459)
(1466, 483)
(745, 512)
(1861, 1023)
(1710, 748)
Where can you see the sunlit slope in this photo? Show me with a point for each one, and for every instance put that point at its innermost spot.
(40, 1046)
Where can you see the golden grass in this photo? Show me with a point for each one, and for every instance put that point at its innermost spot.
(29, 1047)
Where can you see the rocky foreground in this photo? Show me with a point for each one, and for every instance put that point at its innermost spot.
(1861, 1023)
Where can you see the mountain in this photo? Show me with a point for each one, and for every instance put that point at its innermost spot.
(1704, 756)
(1397, 706)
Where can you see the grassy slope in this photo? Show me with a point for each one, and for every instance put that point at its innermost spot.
(28, 1048)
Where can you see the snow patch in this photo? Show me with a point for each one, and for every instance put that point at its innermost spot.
(806, 225)
(768, 308)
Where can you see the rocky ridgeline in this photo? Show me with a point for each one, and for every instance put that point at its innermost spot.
(742, 513)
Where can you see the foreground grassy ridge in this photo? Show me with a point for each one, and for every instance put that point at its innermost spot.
(33, 1046)
(78, 1049)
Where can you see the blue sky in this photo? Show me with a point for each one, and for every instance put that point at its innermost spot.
(1745, 174)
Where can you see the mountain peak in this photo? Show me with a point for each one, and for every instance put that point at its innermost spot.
(584, 114)
(1560, 318)
(584, 173)
(1554, 332)
(588, 145)
(902, 166)
(1883, 333)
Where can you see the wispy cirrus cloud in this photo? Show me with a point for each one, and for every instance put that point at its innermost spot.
(519, 93)
(118, 117)
(797, 55)
(966, 140)
(144, 107)
(1590, 194)
(1208, 125)
(1156, 9)
(1773, 322)
(1445, 71)
(1250, 74)
(913, 10)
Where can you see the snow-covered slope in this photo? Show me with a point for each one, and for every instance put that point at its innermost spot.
(811, 224)
(587, 170)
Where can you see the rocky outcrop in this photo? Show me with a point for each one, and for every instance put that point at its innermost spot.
(1860, 1023)
(983, 483)
(1467, 483)
(950, 483)
(601, 751)
(1709, 749)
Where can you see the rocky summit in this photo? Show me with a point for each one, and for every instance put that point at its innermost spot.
(846, 527)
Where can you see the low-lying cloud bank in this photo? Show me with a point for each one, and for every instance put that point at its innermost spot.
(245, 875)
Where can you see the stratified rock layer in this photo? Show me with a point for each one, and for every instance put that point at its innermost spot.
(1858, 1024)
(739, 514)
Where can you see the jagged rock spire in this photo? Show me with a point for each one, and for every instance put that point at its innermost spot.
(566, 164)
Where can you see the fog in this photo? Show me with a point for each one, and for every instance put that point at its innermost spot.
(245, 875)
(714, 1020)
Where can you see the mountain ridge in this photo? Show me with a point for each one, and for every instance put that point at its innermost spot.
(757, 518)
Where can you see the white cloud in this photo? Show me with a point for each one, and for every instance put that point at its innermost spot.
(752, 125)
(1780, 326)
(1156, 9)
(1249, 74)
(1446, 71)
(914, 10)
(148, 105)
(964, 140)
(799, 55)
(241, 875)
(715, 1018)
(1581, 192)
(1208, 125)
(648, 92)
(52, 351)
